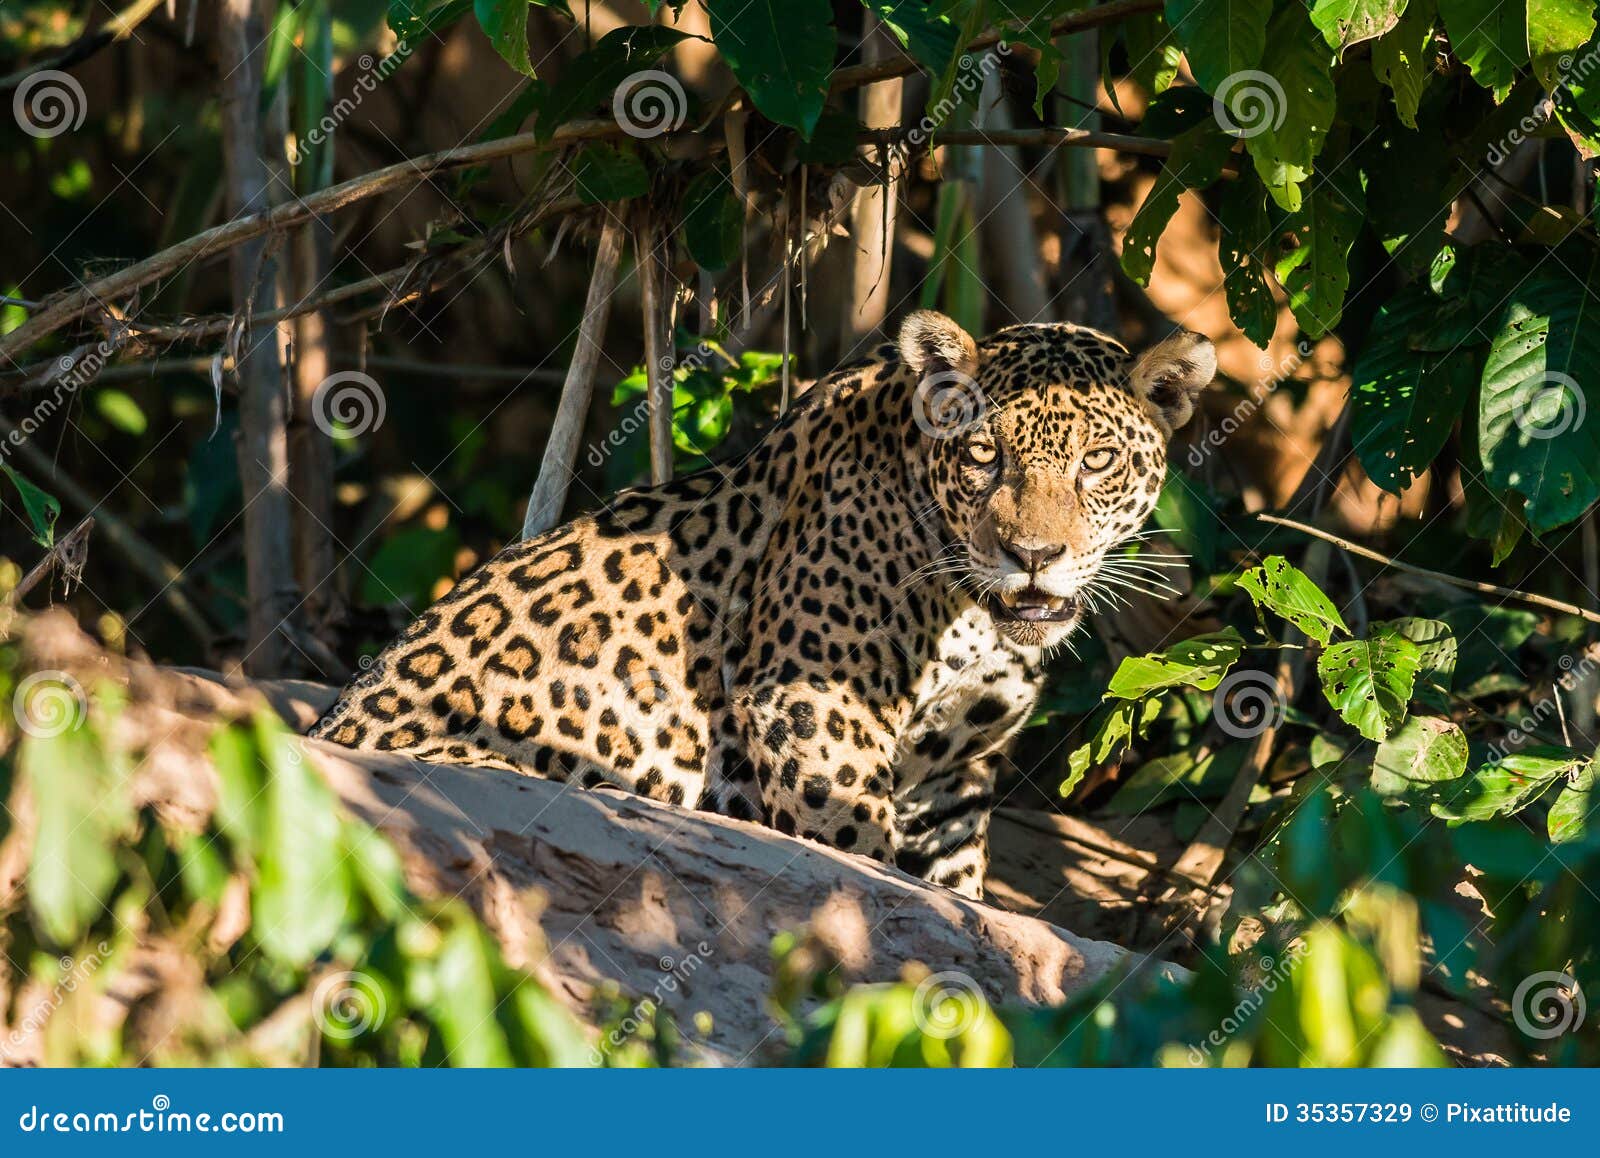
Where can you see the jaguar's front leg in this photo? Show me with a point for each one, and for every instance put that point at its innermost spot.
(942, 823)
(822, 761)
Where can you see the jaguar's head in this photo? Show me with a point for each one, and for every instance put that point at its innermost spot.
(1045, 447)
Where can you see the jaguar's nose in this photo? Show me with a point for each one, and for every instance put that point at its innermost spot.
(1033, 559)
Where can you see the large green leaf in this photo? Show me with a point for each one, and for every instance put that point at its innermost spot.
(928, 36)
(781, 51)
(1539, 418)
(1403, 59)
(1368, 681)
(1577, 101)
(591, 79)
(1220, 37)
(1284, 116)
(1200, 663)
(1114, 727)
(505, 22)
(1557, 29)
(1196, 160)
(1436, 668)
(1509, 784)
(1316, 273)
(1282, 588)
(713, 219)
(1425, 750)
(1404, 402)
(1346, 22)
(1153, 52)
(1246, 248)
(1490, 37)
(1573, 813)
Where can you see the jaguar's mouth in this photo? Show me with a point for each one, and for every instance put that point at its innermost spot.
(1032, 605)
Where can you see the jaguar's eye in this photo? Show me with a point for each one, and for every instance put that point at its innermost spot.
(1098, 460)
(980, 453)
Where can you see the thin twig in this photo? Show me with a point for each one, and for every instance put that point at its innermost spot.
(1453, 580)
(67, 552)
(113, 30)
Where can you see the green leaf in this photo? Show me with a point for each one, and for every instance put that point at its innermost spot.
(1114, 727)
(929, 37)
(1490, 37)
(1246, 248)
(1540, 395)
(602, 172)
(1405, 402)
(1153, 53)
(1280, 587)
(1557, 29)
(1346, 22)
(1316, 273)
(408, 565)
(1403, 59)
(1284, 117)
(1509, 784)
(415, 20)
(1197, 158)
(1368, 681)
(302, 890)
(41, 507)
(1425, 750)
(1199, 663)
(1574, 810)
(464, 999)
(119, 409)
(594, 77)
(1219, 37)
(1437, 665)
(781, 52)
(505, 22)
(713, 220)
(1577, 101)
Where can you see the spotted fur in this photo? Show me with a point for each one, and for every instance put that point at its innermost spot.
(833, 635)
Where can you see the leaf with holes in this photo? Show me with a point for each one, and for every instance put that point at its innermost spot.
(1200, 663)
(1197, 158)
(1285, 122)
(1403, 59)
(1539, 415)
(1282, 588)
(1404, 402)
(1425, 750)
(1368, 681)
(1346, 22)
(1437, 666)
(1557, 29)
(1316, 273)
(1247, 248)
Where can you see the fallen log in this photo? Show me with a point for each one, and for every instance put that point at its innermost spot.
(595, 890)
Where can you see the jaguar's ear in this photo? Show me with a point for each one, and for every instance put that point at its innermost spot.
(931, 343)
(1169, 376)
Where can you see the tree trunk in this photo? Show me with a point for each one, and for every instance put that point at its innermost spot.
(873, 214)
(658, 352)
(263, 446)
